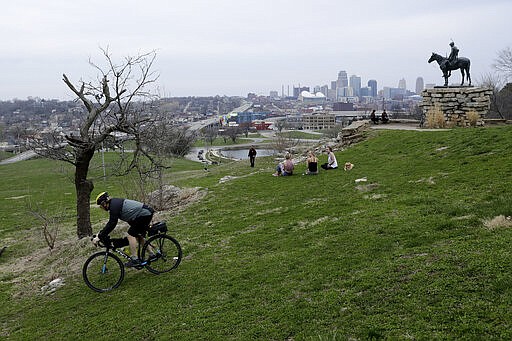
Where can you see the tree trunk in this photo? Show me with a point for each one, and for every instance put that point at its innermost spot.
(84, 189)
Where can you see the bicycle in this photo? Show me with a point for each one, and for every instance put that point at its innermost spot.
(104, 270)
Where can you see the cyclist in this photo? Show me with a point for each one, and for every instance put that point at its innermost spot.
(136, 214)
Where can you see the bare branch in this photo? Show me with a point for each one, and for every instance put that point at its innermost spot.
(503, 62)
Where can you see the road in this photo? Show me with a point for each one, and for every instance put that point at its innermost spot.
(19, 157)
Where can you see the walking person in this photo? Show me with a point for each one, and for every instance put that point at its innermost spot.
(252, 155)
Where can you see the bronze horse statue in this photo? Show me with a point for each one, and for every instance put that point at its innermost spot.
(461, 63)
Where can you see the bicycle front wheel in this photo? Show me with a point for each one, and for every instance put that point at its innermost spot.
(162, 252)
(103, 271)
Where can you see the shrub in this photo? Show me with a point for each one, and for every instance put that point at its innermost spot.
(435, 118)
(472, 117)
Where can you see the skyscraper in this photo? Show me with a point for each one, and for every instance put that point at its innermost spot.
(372, 84)
(401, 84)
(355, 84)
(342, 81)
(419, 85)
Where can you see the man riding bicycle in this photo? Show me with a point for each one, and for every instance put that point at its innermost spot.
(136, 214)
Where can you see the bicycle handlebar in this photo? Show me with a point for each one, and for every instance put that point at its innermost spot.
(99, 243)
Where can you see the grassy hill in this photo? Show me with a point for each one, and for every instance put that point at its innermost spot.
(420, 250)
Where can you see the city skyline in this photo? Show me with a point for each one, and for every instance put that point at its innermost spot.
(234, 48)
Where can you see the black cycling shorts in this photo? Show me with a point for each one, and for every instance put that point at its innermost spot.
(140, 226)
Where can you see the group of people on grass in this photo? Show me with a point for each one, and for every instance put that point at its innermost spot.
(286, 167)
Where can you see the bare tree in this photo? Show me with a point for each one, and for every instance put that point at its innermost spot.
(494, 82)
(233, 132)
(505, 100)
(503, 62)
(49, 227)
(113, 103)
(280, 124)
(333, 132)
(284, 142)
(210, 133)
(164, 139)
(161, 140)
(245, 127)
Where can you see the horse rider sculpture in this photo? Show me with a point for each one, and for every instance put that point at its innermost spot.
(453, 62)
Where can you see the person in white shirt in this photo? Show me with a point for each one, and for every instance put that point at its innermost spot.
(331, 160)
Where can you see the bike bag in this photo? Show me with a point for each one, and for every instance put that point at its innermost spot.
(160, 227)
(119, 242)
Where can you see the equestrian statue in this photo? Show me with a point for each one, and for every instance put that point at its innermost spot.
(453, 62)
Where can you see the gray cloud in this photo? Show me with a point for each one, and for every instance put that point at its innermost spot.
(233, 47)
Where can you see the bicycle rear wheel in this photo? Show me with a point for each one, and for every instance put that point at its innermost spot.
(162, 252)
(103, 271)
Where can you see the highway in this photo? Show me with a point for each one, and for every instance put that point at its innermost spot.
(19, 157)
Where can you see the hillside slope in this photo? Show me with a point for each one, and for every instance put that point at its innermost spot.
(420, 250)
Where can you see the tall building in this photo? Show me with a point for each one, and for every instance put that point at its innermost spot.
(342, 81)
(344, 92)
(419, 85)
(402, 84)
(325, 90)
(297, 91)
(355, 84)
(372, 84)
(393, 93)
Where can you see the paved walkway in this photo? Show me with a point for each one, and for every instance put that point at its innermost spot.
(402, 126)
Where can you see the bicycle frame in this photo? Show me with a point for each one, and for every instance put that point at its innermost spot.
(123, 254)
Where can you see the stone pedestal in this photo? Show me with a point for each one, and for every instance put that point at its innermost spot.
(461, 106)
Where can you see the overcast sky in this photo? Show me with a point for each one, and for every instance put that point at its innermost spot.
(233, 47)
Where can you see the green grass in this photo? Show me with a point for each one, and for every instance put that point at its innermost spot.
(295, 134)
(404, 255)
(5, 155)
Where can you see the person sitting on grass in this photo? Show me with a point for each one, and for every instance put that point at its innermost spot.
(384, 118)
(286, 167)
(331, 160)
(312, 164)
(374, 118)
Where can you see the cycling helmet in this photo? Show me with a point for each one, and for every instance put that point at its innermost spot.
(102, 197)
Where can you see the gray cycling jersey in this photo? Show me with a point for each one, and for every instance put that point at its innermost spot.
(132, 209)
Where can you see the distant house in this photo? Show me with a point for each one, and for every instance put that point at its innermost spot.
(261, 125)
(318, 121)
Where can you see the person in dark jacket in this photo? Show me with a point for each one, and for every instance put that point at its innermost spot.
(384, 117)
(136, 214)
(252, 155)
(374, 118)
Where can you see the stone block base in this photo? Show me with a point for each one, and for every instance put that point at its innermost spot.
(460, 106)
